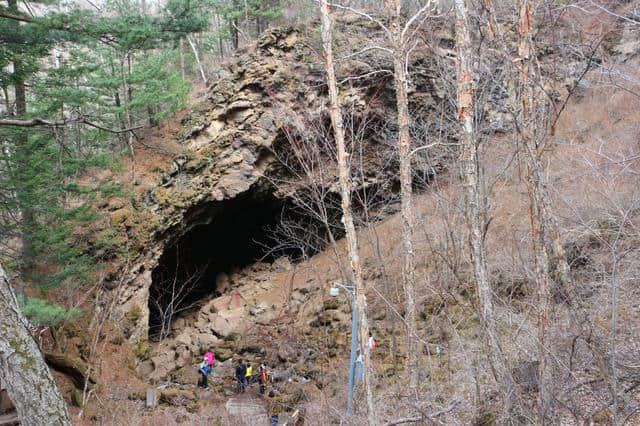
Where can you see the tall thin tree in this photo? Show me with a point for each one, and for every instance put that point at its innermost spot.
(347, 216)
(475, 205)
(532, 134)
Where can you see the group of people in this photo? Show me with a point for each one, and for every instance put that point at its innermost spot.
(244, 373)
(245, 376)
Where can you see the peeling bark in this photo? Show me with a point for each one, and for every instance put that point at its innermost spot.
(22, 369)
(532, 134)
(474, 202)
(403, 147)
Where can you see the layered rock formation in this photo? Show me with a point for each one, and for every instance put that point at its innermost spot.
(236, 140)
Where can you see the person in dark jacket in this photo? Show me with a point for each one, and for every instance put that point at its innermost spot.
(241, 372)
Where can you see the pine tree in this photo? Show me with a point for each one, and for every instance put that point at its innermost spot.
(112, 71)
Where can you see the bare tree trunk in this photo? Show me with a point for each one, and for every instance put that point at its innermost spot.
(22, 368)
(235, 34)
(530, 133)
(7, 101)
(406, 190)
(195, 53)
(347, 219)
(127, 112)
(218, 21)
(183, 71)
(559, 262)
(474, 201)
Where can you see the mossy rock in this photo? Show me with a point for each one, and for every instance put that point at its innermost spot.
(148, 221)
(76, 397)
(602, 417)
(138, 395)
(330, 304)
(485, 418)
(120, 217)
(187, 375)
(72, 367)
(174, 396)
(142, 349)
(131, 320)
(388, 370)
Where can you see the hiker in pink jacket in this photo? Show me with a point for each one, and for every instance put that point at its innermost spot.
(205, 368)
(209, 358)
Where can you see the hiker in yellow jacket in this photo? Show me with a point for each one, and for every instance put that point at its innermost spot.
(249, 373)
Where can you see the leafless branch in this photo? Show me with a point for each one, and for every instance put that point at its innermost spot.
(20, 18)
(36, 121)
(421, 418)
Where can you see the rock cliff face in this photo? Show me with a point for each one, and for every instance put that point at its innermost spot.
(206, 216)
(257, 148)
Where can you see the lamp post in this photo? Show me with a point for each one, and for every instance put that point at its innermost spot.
(335, 292)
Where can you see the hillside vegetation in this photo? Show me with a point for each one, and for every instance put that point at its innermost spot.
(496, 256)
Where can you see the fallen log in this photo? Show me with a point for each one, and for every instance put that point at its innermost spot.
(72, 367)
(9, 419)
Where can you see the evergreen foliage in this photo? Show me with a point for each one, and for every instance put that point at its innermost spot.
(102, 71)
(114, 68)
(44, 313)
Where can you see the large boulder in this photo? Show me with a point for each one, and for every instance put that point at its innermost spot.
(187, 375)
(222, 326)
(206, 341)
(145, 369)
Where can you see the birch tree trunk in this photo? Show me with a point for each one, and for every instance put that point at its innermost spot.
(406, 190)
(183, 72)
(474, 202)
(22, 368)
(194, 49)
(347, 218)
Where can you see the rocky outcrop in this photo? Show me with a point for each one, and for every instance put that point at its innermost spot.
(239, 154)
(234, 141)
(629, 44)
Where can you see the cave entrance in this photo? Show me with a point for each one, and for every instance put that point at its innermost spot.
(229, 235)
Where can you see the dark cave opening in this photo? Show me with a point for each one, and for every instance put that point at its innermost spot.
(227, 236)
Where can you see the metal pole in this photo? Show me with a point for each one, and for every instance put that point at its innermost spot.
(354, 347)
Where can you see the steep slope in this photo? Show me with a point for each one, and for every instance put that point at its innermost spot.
(238, 172)
(204, 220)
